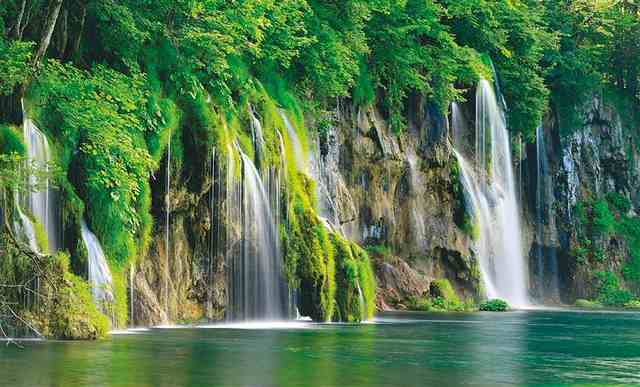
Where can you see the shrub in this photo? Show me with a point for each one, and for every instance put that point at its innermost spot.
(494, 305)
(609, 291)
(11, 141)
(618, 202)
(603, 220)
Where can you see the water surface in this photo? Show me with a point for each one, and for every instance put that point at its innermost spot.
(400, 349)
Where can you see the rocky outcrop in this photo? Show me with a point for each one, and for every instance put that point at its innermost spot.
(598, 158)
(397, 193)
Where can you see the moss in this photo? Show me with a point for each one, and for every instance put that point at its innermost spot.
(11, 140)
(588, 304)
(442, 288)
(66, 309)
(41, 236)
(120, 306)
(354, 277)
(347, 300)
(366, 279)
(309, 263)
(633, 305)
(443, 298)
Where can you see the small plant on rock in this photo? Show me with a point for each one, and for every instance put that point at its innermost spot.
(494, 305)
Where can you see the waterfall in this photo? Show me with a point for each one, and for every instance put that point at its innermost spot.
(257, 136)
(167, 229)
(547, 281)
(257, 288)
(296, 145)
(42, 204)
(491, 193)
(213, 232)
(25, 230)
(99, 274)
(362, 304)
(132, 276)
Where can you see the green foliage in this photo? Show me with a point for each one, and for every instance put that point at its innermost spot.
(366, 280)
(64, 308)
(442, 299)
(309, 263)
(13, 168)
(630, 229)
(355, 281)
(403, 63)
(609, 291)
(619, 203)
(603, 220)
(103, 119)
(15, 64)
(121, 300)
(442, 288)
(11, 141)
(597, 47)
(494, 305)
(41, 236)
(514, 35)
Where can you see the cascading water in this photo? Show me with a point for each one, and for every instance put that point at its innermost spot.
(99, 273)
(547, 279)
(363, 306)
(296, 145)
(42, 203)
(491, 194)
(24, 228)
(167, 228)
(257, 289)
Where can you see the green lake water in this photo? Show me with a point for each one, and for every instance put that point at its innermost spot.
(399, 349)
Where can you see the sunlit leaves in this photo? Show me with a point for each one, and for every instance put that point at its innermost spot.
(15, 66)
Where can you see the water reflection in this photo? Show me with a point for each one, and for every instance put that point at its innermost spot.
(519, 348)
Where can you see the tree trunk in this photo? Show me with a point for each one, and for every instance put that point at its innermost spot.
(75, 47)
(17, 32)
(63, 33)
(50, 25)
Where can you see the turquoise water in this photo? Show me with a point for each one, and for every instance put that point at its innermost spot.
(400, 349)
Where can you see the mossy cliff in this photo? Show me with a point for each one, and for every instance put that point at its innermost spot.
(593, 222)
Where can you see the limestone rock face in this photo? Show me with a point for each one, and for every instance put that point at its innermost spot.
(192, 286)
(594, 158)
(396, 192)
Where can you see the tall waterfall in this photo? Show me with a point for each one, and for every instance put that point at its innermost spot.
(547, 277)
(41, 204)
(491, 192)
(99, 274)
(167, 228)
(257, 288)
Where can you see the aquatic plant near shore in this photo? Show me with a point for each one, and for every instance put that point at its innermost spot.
(494, 305)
